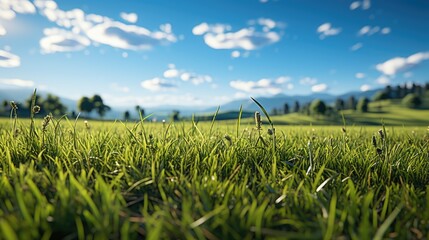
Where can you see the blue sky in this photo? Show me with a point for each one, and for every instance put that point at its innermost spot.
(208, 52)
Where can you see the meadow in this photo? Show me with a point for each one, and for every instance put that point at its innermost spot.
(76, 179)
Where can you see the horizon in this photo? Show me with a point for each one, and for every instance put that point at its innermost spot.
(157, 53)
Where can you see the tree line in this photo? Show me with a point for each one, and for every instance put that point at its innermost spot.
(411, 96)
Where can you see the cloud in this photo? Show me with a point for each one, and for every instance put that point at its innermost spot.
(186, 76)
(220, 36)
(308, 81)
(319, 87)
(356, 47)
(101, 29)
(16, 82)
(235, 54)
(327, 30)
(9, 60)
(371, 30)
(383, 80)
(365, 87)
(158, 84)
(2, 31)
(364, 5)
(263, 86)
(59, 40)
(360, 75)
(398, 64)
(129, 17)
(8, 9)
(130, 37)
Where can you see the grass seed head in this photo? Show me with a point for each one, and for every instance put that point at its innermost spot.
(258, 121)
(374, 141)
(343, 130)
(13, 105)
(36, 109)
(46, 121)
(86, 124)
(228, 138)
(381, 133)
(271, 131)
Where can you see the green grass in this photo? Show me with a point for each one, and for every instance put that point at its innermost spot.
(197, 180)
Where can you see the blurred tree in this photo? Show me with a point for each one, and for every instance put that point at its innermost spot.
(362, 105)
(411, 101)
(140, 111)
(99, 105)
(352, 103)
(53, 105)
(175, 116)
(339, 104)
(318, 107)
(296, 107)
(126, 115)
(286, 108)
(85, 105)
(380, 95)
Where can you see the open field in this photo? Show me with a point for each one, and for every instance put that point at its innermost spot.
(220, 181)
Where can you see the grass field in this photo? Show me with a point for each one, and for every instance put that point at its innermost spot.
(103, 180)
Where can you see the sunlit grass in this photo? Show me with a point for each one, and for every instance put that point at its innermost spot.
(212, 180)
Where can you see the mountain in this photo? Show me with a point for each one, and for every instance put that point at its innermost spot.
(278, 101)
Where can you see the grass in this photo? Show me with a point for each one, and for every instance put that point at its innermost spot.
(188, 180)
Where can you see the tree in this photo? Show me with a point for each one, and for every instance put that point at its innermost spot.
(411, 101)
(175, 116)
(53, 105)
(126, 115)
(380, 95)
(99, 105)
(85, 105)
(318, 107)
(339, 104)
(362, 105)
(352, 103)
(296, 107)
(286, 108)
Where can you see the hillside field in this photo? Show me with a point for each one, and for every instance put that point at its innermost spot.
(212, 180)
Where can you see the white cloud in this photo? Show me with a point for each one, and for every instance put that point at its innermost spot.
(383, 80)
(327, 30)
(385, 30)
(235, 54)
(16, 82)
(371, 30)
(263, 86)
(129, 17)
(59, 40)
(308, 81)
(186, 76)
(158, 99)
(364, 5)
(319, 87)
(220, 36)
(365, 87)
(2, 31)
(9, 8)
(131, 37)
(158, 84)
(9, 60)
(360, 75)
(104, 30)
(356, 47)
(398, 64)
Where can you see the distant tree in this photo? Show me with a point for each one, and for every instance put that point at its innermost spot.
(411, 101)
(99, 105)
(286, 108)
(399, 92)
(126, 115)
(362, 105)
(175, 116)
(318, 107)
(85, 105)
(352, 103)
(339, 104)
(380, 95)
(296, 107)
(389, 92)
(5, 105)
(427, 86)
(140, 111)
(53, 105)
